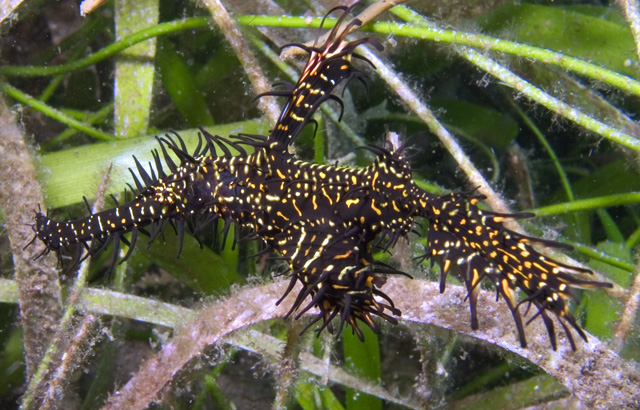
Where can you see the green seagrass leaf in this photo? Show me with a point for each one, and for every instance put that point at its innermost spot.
(135, 71)
(181, 85)
(311, 396)
(570, 32)
(603, 311)
(362, 359)
(614, 178)
(12, 359)
(611, 14)
(477, 121)
(199, 268)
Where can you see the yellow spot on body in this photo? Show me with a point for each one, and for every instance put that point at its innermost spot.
(476, 277)
(324, 192)
(350, 202)
(542, 268)
(344, 255)
(281, 215)
(373, 206)
(296, 207)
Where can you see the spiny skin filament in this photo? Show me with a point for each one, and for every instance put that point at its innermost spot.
(325, 221)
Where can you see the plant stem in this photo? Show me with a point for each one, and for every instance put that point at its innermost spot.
(53, 113)
(631, 12)
(588, 204)
(114, 48)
